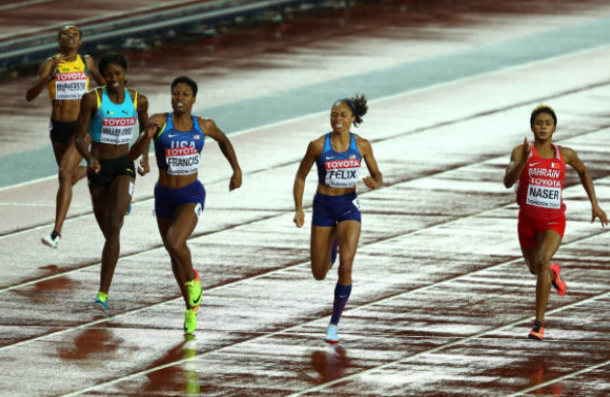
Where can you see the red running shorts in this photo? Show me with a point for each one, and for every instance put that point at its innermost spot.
(530, 228)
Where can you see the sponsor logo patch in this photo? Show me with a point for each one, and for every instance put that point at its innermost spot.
(338, 164)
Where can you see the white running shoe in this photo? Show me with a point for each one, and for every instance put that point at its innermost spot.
(331, 334)
(50, 241)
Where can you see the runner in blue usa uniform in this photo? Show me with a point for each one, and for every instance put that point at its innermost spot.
(336, 219)
(179, 196)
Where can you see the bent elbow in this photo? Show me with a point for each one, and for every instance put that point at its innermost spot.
(134, 152)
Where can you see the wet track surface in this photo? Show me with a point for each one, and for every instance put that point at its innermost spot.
(442, 300)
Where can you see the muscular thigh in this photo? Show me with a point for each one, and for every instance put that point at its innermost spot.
(121, 191)
(547, 246)
(164, 224)
(184, 222)
(348, 233)
(320, 243)
(59, 149)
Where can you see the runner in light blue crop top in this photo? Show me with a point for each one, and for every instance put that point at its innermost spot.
(113, 123)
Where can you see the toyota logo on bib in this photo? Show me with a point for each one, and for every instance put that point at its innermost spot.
(71, 76)
(119, 122)
(335, 164)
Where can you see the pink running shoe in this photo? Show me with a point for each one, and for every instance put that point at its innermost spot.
(557, 282)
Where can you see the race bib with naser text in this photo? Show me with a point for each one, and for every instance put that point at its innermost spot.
(544, 196)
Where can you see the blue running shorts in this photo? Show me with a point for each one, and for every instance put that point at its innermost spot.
(328, 211)
(167, 200)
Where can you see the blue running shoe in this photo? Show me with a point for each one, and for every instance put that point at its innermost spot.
(128, 210)
(101, 301)
(333, 253)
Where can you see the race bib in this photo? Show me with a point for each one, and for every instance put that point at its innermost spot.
(544, 196)
(342, 173)
(70, 85)
(182, 160)
(117, 131)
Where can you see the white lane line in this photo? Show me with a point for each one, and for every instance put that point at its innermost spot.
(446, 346)
(561, 378)
(220, 287)
(388, 299)
(22, 204)
(50, 277)
(21, 4)
(319, 387)
(125, 256)
(82, 21)
(16, 286)
(398, 136)
(414, 232)
(32, 182)
(289, 268)
(395, 96)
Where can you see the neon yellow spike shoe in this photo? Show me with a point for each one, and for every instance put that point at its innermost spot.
(194, 291)
(190, 321)
(101, 301)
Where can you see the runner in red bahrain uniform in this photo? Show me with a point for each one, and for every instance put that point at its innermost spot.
(539, 169)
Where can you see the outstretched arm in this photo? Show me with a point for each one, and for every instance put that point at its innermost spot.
(148, 133)
(313, 151)
(95, 74)
(571, 158)
(88, 107)
(144, 167)
(210, 129)
(518, 161)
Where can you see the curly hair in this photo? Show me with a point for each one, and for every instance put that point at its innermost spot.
(186, 80)
(543, 109)
(357, 105)
(112, 58)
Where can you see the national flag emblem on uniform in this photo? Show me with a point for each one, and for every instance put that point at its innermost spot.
(352, 156)
(555, 165)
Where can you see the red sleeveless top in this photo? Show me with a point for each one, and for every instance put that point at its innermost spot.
(540, 189)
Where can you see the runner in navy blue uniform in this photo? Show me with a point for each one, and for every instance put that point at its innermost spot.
(336, 219)
(179, 196)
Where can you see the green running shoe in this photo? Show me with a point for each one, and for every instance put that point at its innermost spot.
(194, 291)
(190, 321)
(101, 301)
